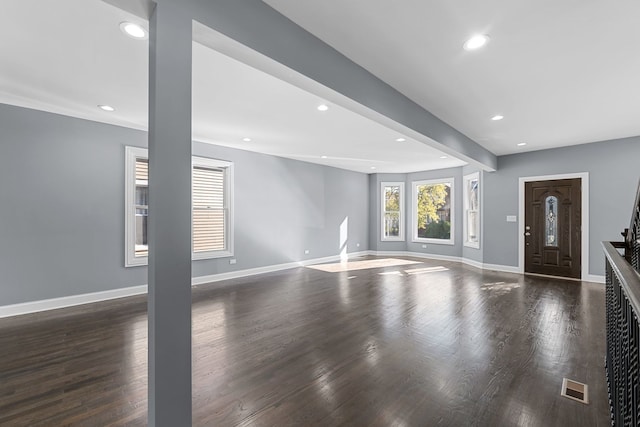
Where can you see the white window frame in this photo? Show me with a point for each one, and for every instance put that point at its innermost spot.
(414, 211)
(466, 180)
(133, 153)
(228, 189)
(400, 237)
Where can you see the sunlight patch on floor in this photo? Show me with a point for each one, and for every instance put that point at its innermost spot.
(500, 288)
(361, 265)
(414, 271)
(426, 270)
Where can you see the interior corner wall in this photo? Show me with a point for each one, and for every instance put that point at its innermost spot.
(613, 178)
(62, 208)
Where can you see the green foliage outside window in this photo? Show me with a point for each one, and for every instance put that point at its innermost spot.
(434, 216)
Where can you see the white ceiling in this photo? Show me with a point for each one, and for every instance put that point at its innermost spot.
(561, 72)
(80, 59)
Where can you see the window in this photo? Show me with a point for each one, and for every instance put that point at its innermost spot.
(472, 210)
(432, 211)
(551, 221)
(212, 225)
(392, 211)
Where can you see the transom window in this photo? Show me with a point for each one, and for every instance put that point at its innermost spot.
(212, 228)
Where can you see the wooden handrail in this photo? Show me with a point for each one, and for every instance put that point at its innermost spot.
(628, 277)
(632, 235)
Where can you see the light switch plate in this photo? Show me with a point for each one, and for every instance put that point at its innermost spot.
(512, 218)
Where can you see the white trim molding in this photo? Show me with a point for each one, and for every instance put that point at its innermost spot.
(131, 154)
(584, 176)
(69, 301)
(437, 257)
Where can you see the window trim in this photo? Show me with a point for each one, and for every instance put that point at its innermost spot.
(206, 162)
(133, 153)
(466, 180)
(401, 235)
(414, 211)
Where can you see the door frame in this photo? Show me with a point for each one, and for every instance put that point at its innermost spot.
(584, 225)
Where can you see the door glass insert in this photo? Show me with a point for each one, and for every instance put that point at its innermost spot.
(551, 219)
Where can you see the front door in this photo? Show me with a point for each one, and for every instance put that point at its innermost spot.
(553, 231)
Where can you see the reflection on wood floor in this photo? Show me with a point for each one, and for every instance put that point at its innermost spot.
(404, 344)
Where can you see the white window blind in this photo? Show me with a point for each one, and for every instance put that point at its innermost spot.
(141, 206)
(209, 210)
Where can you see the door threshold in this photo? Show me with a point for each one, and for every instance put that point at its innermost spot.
(553, 277)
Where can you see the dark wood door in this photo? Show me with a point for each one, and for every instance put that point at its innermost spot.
(553, 230)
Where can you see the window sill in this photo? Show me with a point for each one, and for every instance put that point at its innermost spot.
(450, 242)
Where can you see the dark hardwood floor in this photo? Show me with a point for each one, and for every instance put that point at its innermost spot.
(425, 344)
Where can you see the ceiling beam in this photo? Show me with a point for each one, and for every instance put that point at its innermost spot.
(259, 27)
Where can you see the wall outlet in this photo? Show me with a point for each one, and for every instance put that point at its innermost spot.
(306, 251)
(424, 246)
(232, 261)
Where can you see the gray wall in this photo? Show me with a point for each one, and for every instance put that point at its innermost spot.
(613, 178)
(62, 207)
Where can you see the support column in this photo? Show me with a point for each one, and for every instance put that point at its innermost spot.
(169, 301)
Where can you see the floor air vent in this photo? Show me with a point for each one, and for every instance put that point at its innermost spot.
(575, 391)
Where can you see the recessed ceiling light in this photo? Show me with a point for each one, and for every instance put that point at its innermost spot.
(497, 117)
(323, 107)
(134, 30)
(323, 157)
(106, 108)
(443, 157)
(373, 167)
(246, 139)
(476, 42)
(522, 144)
(400, 139)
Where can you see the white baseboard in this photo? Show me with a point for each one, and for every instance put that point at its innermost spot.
(73, 300)
(467, 261)
(594, 278)
(502, 268)
(70, 301)
(472, 263)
